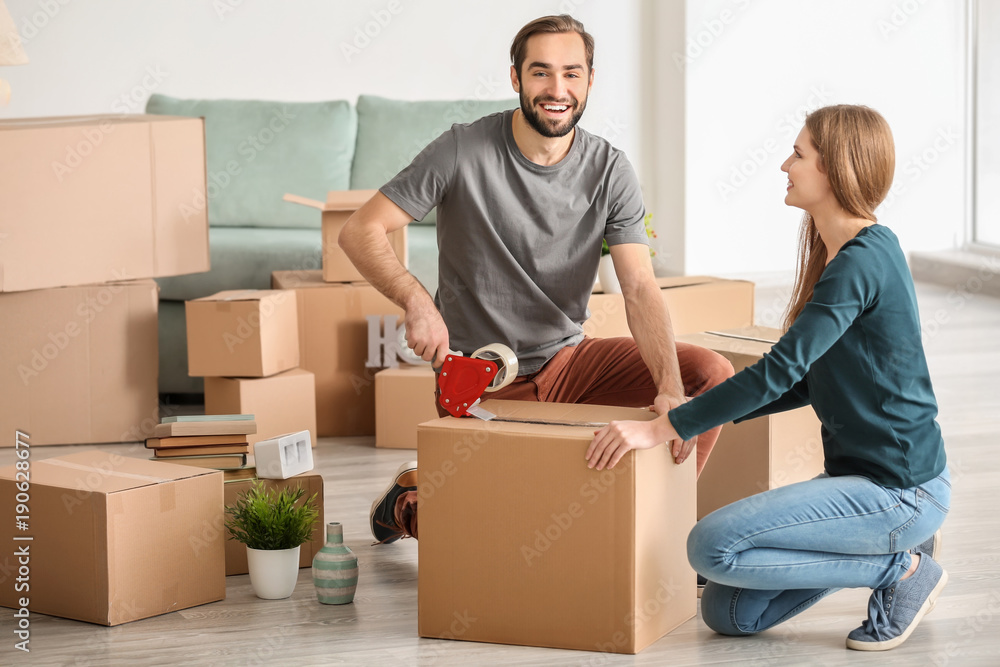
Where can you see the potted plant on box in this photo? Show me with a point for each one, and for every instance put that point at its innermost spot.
(606, 275)
(273, 525)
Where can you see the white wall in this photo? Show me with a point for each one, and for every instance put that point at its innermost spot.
(109, 55)
(755, 67)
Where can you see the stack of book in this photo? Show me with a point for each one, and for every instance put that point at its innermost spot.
(206, 441)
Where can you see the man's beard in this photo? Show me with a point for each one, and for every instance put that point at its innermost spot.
(543, 125)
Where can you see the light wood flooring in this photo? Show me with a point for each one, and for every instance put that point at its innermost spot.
(380, 627)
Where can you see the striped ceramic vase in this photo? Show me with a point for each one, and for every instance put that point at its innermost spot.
(335, 568)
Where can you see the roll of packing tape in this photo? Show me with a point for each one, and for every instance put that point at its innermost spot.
(406, 352)
(505, 360)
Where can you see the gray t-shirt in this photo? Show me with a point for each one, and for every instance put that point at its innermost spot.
(519, 242)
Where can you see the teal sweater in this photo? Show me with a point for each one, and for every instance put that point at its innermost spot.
(855, 355)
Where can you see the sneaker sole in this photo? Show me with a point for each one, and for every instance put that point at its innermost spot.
(405, 476)
(896, 641)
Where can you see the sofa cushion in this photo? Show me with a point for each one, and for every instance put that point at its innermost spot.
(244, 257)
(392, 132)
(257, 151)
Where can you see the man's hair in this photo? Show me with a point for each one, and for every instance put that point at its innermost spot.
(549, 24)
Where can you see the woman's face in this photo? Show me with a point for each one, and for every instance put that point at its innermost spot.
(808, 187)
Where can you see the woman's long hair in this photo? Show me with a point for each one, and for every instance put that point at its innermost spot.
(857, 154)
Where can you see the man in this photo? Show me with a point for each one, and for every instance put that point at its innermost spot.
(524, 199)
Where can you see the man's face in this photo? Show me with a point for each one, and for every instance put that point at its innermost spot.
(554, 82)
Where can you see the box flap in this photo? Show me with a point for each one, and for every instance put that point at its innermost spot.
(240, 295)
(282, 280)
(101, 472)
(558, 413)
(336, 200)
(757, 334)
(86, 120)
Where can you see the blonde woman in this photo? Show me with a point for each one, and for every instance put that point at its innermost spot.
(852, 350)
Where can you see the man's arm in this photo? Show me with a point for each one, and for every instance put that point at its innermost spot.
(649, 320)
(364, 240)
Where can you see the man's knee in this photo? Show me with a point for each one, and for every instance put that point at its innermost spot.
(717, 368)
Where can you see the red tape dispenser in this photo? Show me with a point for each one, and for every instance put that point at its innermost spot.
(463, 380)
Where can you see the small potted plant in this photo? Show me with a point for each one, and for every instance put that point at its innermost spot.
(606, 275)
(273, 525)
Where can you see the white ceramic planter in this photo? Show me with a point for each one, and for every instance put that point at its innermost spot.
(607, 277)
(273, 573)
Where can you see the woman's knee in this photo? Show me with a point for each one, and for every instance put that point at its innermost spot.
(703, 548)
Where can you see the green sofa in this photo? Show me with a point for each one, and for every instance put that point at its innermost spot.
(259, 150)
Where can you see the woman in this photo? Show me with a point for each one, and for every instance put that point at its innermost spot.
(852, 350)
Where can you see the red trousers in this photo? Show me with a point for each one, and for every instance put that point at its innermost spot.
(610, 371)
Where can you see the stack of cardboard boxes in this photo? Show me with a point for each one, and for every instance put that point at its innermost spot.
(333, 307)
(93, 207)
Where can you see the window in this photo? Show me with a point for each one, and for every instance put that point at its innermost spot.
(986, 130)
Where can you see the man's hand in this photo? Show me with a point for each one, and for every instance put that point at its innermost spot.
(616, 439)
(426, 332)
(679, 449)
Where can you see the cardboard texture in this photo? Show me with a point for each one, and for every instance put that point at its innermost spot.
(236, 552)
(339, 206)
(281, 404)
(79, 364)
(404, 397)
(759, 454)
(521, 543)
(333, 340)
(90, 199)
(695, 303)
(242, 333)
(116, 539)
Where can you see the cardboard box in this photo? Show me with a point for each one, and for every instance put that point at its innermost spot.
(517, 533)
(91, 199)
(333, 340)
(340, 206)
(115, 539)
(762, 453)
(236, 552)
(404, 397)
(79, 364)
(696, 303)
(283, 403)
(242, 333)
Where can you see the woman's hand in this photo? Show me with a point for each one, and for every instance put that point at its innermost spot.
(613, 441)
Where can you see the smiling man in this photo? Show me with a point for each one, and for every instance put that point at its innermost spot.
(524, 199)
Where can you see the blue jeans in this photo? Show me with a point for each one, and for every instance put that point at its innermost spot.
(773, 555)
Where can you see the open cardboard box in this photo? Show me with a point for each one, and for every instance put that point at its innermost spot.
(521, 543)
(338, 207)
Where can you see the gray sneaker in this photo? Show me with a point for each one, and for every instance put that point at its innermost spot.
(931, 546)
(894, 612)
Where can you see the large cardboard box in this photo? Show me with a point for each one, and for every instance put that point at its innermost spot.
(283, 403)
(759, 454)
(91, 199)
(79, 364)
(113, 539)
(404, 397)
(696, 303)
(333, 340)
(521, 543)
(236, 552)
(242, 333)
(338, 207)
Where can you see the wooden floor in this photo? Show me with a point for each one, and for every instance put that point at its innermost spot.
(380, 628)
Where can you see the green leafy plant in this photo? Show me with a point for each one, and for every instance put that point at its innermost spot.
(650, 233)
(264, 518)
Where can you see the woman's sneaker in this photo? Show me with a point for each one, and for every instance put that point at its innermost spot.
(394, 513)
(894, 612)
(931, 546)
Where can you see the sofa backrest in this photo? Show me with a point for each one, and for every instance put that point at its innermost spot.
(392, 132)
(257, 151)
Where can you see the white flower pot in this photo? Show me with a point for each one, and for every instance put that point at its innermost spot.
(273, 573)
(607, 277)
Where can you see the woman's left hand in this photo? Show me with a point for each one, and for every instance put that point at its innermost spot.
(616, 439)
